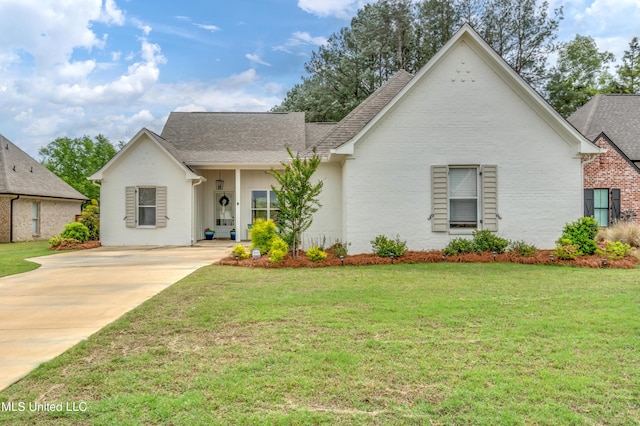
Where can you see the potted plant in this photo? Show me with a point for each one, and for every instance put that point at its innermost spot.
(209, 233)
(232, 233)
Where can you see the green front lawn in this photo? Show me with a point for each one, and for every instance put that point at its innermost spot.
(396, 344)
(12, 256)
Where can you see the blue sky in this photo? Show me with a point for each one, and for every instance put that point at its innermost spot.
(76, 67)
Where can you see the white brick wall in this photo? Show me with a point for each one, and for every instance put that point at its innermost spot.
(447, 121)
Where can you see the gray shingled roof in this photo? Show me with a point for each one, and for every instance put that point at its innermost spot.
(234, 137)
(357, 119)
(618, 116)
(21, 174)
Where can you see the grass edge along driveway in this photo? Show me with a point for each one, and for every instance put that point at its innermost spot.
(395, 344)
(13, 255)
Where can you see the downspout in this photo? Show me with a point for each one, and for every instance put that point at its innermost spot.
(11, 219)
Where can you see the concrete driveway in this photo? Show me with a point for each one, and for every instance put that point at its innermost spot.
(72, 295)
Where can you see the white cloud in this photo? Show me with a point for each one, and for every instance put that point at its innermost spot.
(343, 9)
(211, 28)
(111, 14)
(256, 59)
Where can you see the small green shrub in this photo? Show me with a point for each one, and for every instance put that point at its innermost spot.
(484, 240)
(278, 250)
(615, 250)
(458, 246)
(583, 233)
(315, 254)
(340, 249)
(263, 233)
(240, 251)
(76, 231)
(91, 220)
(55, 242)
(521, 248)
(385, 247)
(565, 250)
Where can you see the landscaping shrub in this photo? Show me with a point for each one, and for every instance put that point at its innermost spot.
(263, 233)
(484, 240)
(278, 250)
(315, 254)
(624, 232)
(615, 250)
(76, 231)
(583, 233)
(91, 220)
(55, 241)
(521, 248)
(565, 250)
(340, 249)
(458, 246)
(385, 247)
(240, 251)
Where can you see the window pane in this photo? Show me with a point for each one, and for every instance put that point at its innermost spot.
(258, 214)
(463, 182)
(146, 216)
(601, 198)
(463, 212)
(259, 199)
(146, 196)
(273, 200)
(601, 216)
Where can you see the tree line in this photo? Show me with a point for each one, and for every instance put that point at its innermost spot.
(390, 35)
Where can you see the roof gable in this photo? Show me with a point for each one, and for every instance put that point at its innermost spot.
(616, 115)
(21, 174)
(164, 146)
(468, 37)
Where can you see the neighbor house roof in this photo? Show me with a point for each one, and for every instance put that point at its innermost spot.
(235, 137)
(616, 115)
(355, 121)
(22, 175)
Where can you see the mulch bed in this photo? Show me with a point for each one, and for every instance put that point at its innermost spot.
(79, 246)
(541, 257)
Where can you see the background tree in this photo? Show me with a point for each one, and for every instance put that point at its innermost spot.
(581, 73)
(390, 35)
(629, 71)
(73, 160)
(297, 197)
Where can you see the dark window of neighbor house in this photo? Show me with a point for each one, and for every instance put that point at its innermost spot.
(603, 204)
(146, 206)
(35, 218)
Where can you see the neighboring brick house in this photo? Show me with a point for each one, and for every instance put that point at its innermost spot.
(612, 179)
(35, 204)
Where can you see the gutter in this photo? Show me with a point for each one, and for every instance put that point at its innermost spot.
(11, 219)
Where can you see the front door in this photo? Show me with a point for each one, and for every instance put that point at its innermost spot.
(224, 210)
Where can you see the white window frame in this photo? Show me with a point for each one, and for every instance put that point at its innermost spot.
(465, 229)
(271, 195)
(154, 206)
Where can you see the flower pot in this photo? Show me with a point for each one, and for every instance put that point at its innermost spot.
(232, 235)
(209, 235)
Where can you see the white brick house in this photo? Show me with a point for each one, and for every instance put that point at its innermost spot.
(464, 144)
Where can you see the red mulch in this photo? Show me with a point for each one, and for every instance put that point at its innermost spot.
(540, 257)
(79, 246)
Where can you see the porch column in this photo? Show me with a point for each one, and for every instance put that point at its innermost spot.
(239, 226)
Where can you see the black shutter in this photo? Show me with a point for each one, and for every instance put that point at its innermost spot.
(615, 204)
(588, 202)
